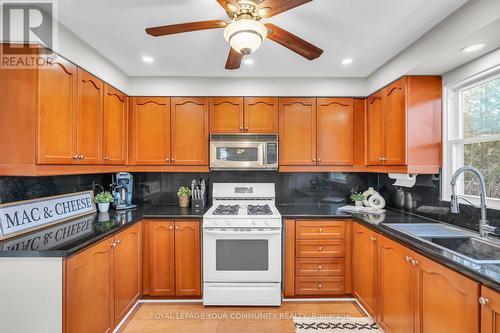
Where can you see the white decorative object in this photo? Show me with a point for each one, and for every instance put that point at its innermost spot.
(359, 203)
(373, 199)
(19, 217)
(403, 179)
(103, 206)
(363, 210)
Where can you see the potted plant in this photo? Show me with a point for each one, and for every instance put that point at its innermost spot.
(358, 198)
(184, 194)
(103, 200)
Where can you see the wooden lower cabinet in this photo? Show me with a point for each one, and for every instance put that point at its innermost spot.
(172, 249)
(89, 305)
(317, 258)
(103, 282)
(127, 270)
(490, 311)
(364, 267)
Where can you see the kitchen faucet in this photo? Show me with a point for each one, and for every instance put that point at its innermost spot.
(484, 227)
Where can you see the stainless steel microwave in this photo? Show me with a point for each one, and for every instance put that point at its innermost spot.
(244, 151)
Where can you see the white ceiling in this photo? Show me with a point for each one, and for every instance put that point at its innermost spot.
(371, 32)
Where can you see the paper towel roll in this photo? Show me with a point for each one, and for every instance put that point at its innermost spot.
(403, 179)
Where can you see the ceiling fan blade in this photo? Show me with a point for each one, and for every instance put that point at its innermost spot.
(233, 59)
(292, 42)
(269, 8)
(185, 27)
(230, 6)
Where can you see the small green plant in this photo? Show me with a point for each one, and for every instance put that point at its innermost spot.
(357, 196)
(183, 192)
(104, 197)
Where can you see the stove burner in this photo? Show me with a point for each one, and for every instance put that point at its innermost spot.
(259, 210)
(227, 210)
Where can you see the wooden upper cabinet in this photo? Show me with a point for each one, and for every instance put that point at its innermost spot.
(161, 258)
(448, 300)
(127, 270)
(375, 129)
(115, 126)
(297, 117)
(395, 123)
(189, 139)
(149, 131)
(364, 264)
(187, 258)
(396, 280)
(261, 115)
(89, 118)
(226, 115)
(89, 301)
(56, 120)
(335, 130)
(490, 311)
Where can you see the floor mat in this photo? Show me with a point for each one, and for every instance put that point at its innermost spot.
(335, 325)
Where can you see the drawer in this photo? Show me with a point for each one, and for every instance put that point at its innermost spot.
(319, 266)
(320, 229)
(320, 248)
(318, 285)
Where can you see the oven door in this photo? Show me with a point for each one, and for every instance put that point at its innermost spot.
(237, 155)
(242, 255)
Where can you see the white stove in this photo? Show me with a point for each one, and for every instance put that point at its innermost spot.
(242, 246)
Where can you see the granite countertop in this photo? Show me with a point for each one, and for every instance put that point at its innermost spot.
(66, 239)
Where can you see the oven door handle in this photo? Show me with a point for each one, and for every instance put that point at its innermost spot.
(241, 233)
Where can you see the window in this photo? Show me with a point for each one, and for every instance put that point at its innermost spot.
(472, 136)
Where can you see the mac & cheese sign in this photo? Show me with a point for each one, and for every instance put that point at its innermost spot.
(23, 216)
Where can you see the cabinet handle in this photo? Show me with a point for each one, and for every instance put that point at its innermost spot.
(320, 248)
(173, 159)
(246, 128)
(241, 128)
(319, 159)
(320, 267)
(171, 227)
(373, 239)
(81, 157)
(113, 244)
(408, 259)
(118, 242)
(414, 262)
(167, 159)
(176, 227)
(483, 300)
(320, 286)
(106, 158)
(320, 230)
(314, 160)
(75, 157)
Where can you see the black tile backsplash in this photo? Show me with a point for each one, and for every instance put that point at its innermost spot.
(303, 188)
(25, 188)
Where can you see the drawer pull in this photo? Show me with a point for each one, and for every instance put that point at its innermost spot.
(320, 267)
(320, 286)
(320, 248)
(483, 300)
(320, 230)
(408, 259)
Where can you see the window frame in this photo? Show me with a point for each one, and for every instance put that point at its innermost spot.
(453, 140)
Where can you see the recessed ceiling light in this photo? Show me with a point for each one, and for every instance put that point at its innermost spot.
(248, 61)
(347, 61)
(473, 48)
(148, 59)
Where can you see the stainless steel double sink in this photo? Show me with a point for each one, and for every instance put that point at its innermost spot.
(464, 244)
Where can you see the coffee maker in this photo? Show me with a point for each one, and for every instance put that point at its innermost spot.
(123, 183)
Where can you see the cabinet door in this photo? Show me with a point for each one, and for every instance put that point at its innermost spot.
(335, 131)
(115, 126)
(89, 290)
(261, 115)
(128, 269)
(161, 257)
(490, 312)
(226, 115)
(395, 123)
(448, 300)
(297, 131)
(187, 258)
(375, 123)
(396, 279)
(364, 257)
(56, 121)
(89, 118)
(189, 131)
(150, 131)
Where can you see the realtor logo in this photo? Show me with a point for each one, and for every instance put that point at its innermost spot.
(25, 26)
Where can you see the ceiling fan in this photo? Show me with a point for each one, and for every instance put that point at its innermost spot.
(245, 33)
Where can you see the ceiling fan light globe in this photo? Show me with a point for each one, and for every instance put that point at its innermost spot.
(245, 36)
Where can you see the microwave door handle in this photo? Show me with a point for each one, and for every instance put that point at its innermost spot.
(236, 233)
